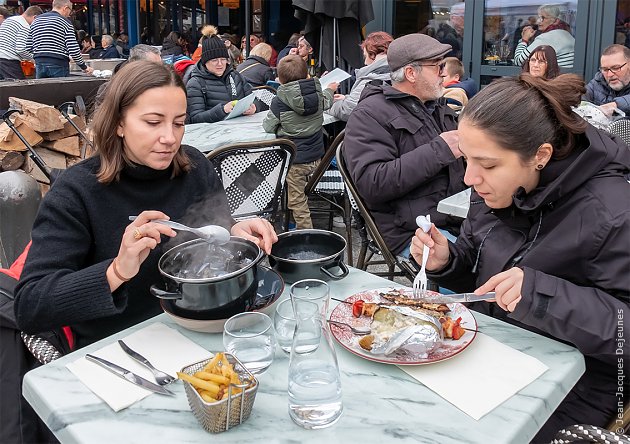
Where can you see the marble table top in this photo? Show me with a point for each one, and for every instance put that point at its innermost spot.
(209, 136)
(381, 402)
(456, 205)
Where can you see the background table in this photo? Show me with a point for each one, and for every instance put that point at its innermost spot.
(456, 205)
(381, 402)
(209, 136)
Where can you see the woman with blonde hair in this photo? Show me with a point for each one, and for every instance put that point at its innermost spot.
(88, 267)
(255, 68)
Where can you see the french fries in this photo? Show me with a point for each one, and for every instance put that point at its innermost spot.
(213, 381)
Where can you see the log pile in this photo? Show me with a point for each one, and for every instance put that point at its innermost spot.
(45, 129)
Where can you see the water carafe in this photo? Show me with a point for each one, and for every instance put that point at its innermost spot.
(314, 382)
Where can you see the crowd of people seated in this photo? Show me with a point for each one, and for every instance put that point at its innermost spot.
(548, 226)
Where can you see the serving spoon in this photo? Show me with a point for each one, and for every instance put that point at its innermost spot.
(213, 234)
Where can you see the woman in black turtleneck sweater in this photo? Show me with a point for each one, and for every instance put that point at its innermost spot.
(88, 267)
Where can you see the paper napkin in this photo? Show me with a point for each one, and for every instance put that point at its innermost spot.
(481, 377)
(166, 348)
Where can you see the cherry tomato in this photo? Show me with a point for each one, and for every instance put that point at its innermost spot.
(357, 308)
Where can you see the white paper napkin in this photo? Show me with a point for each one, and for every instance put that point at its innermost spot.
(166, 348)
(481, 377)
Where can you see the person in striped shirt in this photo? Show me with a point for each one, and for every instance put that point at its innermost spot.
(52, 41)
(554, 32)
(13, 35)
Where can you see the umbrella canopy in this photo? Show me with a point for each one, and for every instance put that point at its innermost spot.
(325, 20)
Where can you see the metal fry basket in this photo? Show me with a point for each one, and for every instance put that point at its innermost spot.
(220, 416)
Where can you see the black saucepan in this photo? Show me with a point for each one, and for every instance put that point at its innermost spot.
(309, 254)
(204, 281)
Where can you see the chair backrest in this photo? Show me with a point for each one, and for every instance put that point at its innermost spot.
(253, 175)
(265, 94)
(370, 225)
(324, 164)
(621, 128)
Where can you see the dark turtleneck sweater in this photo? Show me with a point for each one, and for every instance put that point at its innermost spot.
(77, 234)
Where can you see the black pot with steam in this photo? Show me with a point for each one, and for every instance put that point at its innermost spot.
(205, 281)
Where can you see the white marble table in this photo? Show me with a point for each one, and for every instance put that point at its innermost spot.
(381, 403)
(456, 205)
(209, 136)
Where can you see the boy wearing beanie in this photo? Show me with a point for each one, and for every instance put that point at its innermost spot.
(296, 113)
(213, 84)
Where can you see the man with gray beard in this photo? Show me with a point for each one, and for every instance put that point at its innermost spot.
(401, 143)
(610, 89)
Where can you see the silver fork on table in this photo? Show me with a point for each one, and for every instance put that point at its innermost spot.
(160, 377)
(420, 281)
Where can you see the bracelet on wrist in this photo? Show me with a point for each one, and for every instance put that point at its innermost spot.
(118, 275)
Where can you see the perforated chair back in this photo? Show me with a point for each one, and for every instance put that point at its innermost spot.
(253, 175)
(265, 94)
(621, 128)
(370, 226)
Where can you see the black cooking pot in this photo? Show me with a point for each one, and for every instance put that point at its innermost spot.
(204, 281)
(309, 254)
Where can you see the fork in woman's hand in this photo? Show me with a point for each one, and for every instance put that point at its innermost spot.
(420, 281)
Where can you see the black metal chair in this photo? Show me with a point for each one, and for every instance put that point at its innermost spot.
(327, 184)
(265, 94)
(253, 176)
(372, 243)
(621, 128)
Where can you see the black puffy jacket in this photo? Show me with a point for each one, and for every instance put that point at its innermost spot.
(571, 238)
(207, 93)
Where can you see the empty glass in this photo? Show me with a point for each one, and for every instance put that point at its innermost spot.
(249, 336)
(284, 324)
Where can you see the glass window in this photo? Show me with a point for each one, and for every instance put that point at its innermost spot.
(622, 25)
(514, 28)
(441, 19)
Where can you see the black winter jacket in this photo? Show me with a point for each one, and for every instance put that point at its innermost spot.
(207, 93)
(571, 237)
(400, 165)
(78, 231)
(256, 71)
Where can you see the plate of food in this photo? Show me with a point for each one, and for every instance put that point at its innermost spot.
(403, 331)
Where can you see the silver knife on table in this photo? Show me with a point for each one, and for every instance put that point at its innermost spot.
(129, 376)
(433, 298)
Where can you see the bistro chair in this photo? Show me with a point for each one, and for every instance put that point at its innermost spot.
(621, 128)
(327, 184)
(253, 176)
(372, 243)
(265, 94)
(583, 433)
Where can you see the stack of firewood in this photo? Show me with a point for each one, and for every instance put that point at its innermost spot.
(50, 134)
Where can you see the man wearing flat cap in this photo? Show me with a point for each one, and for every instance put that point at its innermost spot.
(401, 143)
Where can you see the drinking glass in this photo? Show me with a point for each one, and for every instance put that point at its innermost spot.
(284, 324)
(249, 336)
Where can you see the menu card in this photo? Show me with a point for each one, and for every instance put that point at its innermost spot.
(480, 378)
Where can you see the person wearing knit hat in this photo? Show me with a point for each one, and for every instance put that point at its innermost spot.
(401, 143)
(214, 86)
(213, 48)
